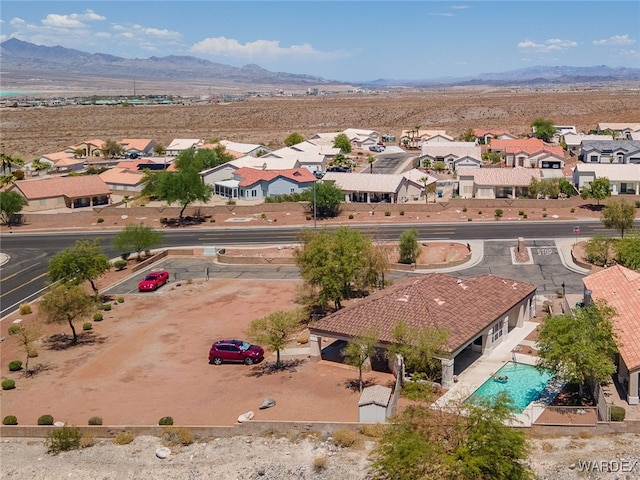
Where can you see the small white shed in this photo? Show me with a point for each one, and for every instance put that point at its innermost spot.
(373, 404)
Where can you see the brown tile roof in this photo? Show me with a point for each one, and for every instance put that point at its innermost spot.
(620, 287)
(464, 307)
(251, 176)
(72, 187)
(482, 132)
(518, 177)
(139, 144)
(122, 176)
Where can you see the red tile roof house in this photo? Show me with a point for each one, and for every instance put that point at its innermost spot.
(59, 192)
(485, 136)
(476, 320)
(529, 153)
(90, 148)
(62, 162)
(123, 180)
(253, 184)
(490, 183)
(141, 146)
(620, 287)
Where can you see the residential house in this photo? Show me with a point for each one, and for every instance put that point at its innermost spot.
(455, 155)
(476, 322)
(147, 163)
(123, 180)
(573, 141)
(59, 192)
(414, 138)
(61, 162)
(561, 131)
(610, 151)
(529, 153)
(88, 148)
(242, 149)
(361, 138)
(254, 184)
(620, 288)
(309, 155)
(621, 130)
(485, 136)
(226, 170)
(383, 188)
(489, 183)
(624, 178)
(178, 145)
(142, 147)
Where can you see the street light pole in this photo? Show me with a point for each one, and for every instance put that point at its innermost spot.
(314, 204)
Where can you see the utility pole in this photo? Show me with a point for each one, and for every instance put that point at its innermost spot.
(314, 204)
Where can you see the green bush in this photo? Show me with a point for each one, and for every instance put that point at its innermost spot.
(123, 438)
(100, 220)
(402, 213)
(499, 212)
(309, 217)
(387, 213)
(351, 216)
(617, 413)
(106, 307)
(165, 421)
(521, 212)
(464, 209)
(120, 264)
(45, 420)
(120, 299)
(15, 365)
(212, 220)
(525, 216)
(13, 329)
(10, 420)
(176, 436)
(544, 215)
(97, 317)
(87, 326)
(573, 210)
(125, 256)
(95, 421)
(63, 439)
(8, 384)
(480, 212)
(25, 309)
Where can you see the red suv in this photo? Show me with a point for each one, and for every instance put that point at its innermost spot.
(235, 351)
(153, 281)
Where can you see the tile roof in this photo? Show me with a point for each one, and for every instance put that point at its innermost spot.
(251, 176)
(54, 157)
(619, 126)
(620, 287)
(184, 143)
(72, 187)
(122, 176)
(363, 182)
(243, 148)
(482, 132)
(457, 149)
(68, 162)
(265, 162)
(464, 307)
(628, 146)
(615, 172)
(572, 139)
(518, 177)
(139, 144)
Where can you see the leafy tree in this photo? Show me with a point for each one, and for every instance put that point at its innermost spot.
(38, 165)
(544, 129)
(628, 251)
(328, 198)
(419, 348)
(82, 262)
(598, 189)
(409, 248)
(493, 157)
(598, 250)
(159, 150)
(275, 329)
(468, 442)
(468, 136)
(78, 152)
(547, 187)
(371, 159)
(342, 142)
(27, 336)
(331, 261)
(11, 203)
(579, 347)
(566, 187)
(136, 238)
(293, 139)
(439, 166)
(359, 350)
(375, 264)
(111, 149)
(619, 215)
(66, 303)
(183, 186)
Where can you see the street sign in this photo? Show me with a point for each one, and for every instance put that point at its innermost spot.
(576, 230)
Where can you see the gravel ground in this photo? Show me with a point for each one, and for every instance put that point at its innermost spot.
(245, 458)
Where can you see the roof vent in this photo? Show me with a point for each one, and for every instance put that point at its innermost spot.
(438, 301)
(404, 298)
(459, 281)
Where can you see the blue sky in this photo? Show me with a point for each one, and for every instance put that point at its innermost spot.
(338, 40)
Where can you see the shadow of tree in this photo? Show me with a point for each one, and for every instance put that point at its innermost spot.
(62, 341)
(269, 368)
(39, 368)
(354, 385)
(592, 207)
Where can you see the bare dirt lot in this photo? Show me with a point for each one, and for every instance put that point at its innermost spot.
(29, 132)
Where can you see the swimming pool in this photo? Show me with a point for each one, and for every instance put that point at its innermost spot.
(524, 384)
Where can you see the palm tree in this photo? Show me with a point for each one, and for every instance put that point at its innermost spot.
(371, 159)
(416, 131)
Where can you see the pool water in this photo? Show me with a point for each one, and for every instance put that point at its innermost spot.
(525, 384)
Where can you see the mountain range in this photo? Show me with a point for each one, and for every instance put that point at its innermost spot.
(23, 59)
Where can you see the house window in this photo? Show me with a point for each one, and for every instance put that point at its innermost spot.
(254, 193)
(293, 190)
(593, 158)
(496, 331)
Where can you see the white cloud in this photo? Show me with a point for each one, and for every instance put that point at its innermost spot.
(147, 38)
(75, 20)
(459, 7)
(551, 45)
(441, 14)
(615, 40)
(88, 15)
(3, 38)
(261, 49)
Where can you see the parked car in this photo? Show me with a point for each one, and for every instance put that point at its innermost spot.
(319, 174)
(376, 148)
(237, 351)
(153, 281)
(339, 169)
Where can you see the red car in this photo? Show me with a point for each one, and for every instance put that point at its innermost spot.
(235, 351)
(153, 281)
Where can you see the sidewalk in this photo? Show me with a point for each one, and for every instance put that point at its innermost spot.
(4, 258)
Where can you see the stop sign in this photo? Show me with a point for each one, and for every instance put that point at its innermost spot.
(576, 230)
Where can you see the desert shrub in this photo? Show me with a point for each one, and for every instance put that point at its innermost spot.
(165, 421)
(212, 220)
(573, 210)
(120, 299)
(544, 215)
(319, 463)
(525, 216)
(100, 220)
(521, 212)
(13, 329)
(351, 216)
(8, 384)
(10, 420)
(87, 326)
(176, 436)
(45, 420)
(303, 340)
(163, 220)
(97, 317)
(479, 212)
(387, 213)
(375, 430)
(120, 264)
(308, 217)
(464, 209)
(106, 307)
(469, 219)
(617, 413)
(63, 439)
(344, 438)
(95, 421)
(499, 212)
(125, 256)
(637, 203)
(123, 438)
(87, 440)
(32, 353)
(25, 309)
(263, 216)
(15, 365)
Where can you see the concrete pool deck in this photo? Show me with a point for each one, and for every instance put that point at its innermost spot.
(480, 371)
